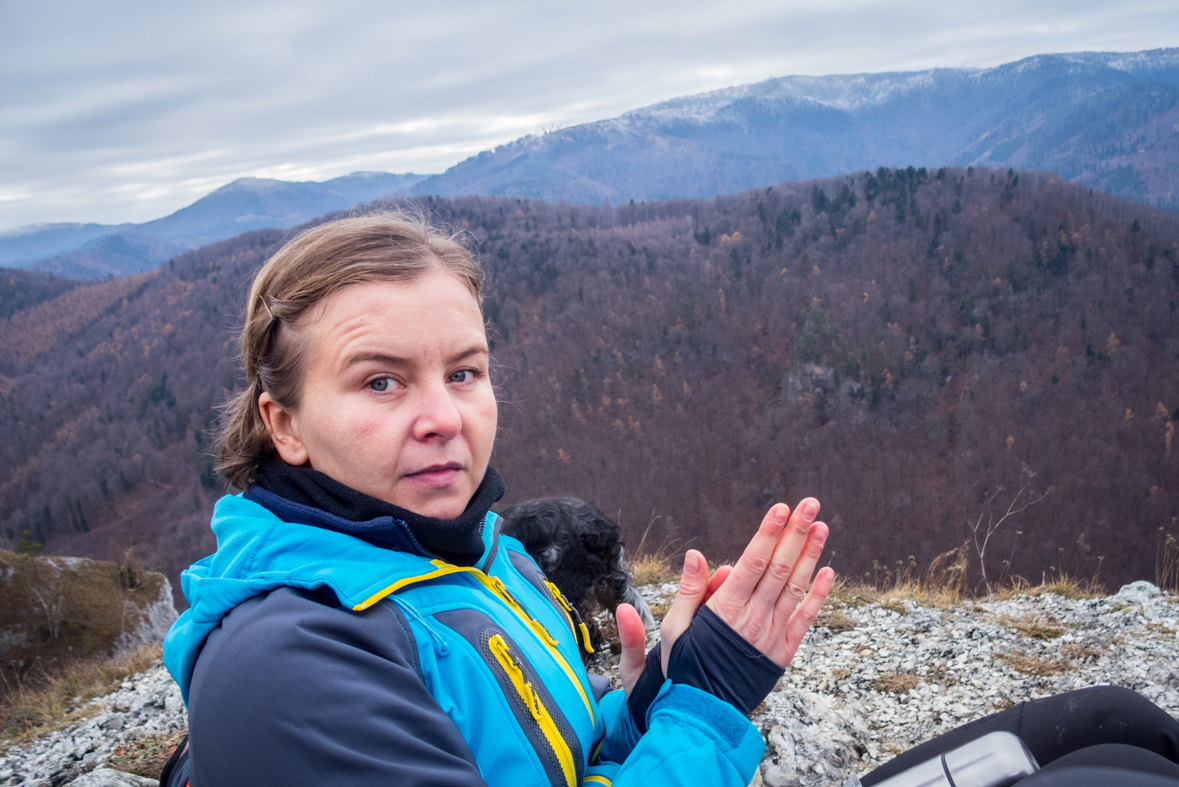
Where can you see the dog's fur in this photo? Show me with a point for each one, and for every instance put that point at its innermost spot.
(580, 550)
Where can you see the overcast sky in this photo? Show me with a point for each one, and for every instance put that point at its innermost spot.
(126, 110)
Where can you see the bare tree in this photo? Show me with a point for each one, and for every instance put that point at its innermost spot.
(993, 515)
(51, 597)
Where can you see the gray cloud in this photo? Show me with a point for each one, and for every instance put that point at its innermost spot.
(128, 110)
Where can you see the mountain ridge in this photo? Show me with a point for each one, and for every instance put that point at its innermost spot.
(97, 250)
(798, 127)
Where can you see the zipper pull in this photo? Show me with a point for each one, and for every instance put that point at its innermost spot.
(585, 637)
(556, 591)
(441, 647)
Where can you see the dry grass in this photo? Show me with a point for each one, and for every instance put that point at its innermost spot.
(1074, 652)
(854, 595)
(940, 675)
(1160, 628)
(1030, 664)
(43, 702)
(1064, 585)
(652, 570)
(1034, 626)
(835, 621)
(659, 609)
(1166, 563)
(942, 585)
(895, 683)
(145, 756)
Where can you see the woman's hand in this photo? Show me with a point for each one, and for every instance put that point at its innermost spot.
(763, 597)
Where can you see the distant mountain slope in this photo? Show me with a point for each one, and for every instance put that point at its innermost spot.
(1108, 120)
(96, 250)
(254, 203)
(25, 245)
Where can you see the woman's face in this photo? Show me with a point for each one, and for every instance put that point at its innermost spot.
(396, 398)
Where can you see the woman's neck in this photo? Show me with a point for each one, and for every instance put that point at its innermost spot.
(344, 509)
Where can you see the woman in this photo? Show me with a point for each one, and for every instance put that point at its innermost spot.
(363, 622)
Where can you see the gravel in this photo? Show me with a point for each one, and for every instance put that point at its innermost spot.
(148, 703)
(869, 681)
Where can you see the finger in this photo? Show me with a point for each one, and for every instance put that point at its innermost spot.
(717, 580)
(796, 587)
(633, 637)
(754, 560)
(693, 584)
(804, 616)
(787, 553)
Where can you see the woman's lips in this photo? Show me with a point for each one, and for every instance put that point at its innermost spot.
(436, 476)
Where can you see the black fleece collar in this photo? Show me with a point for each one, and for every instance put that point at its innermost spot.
(306, 496)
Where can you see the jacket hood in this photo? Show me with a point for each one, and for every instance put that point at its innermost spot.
(258, 552)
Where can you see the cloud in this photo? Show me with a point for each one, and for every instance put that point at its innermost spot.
(128, 110)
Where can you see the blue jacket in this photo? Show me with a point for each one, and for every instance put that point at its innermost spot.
(310, 656)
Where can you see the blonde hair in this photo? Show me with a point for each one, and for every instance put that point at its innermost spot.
(393, 247)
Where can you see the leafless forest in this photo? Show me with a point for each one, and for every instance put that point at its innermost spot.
(899, 344)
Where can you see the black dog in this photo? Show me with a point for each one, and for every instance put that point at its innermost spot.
(580, 550)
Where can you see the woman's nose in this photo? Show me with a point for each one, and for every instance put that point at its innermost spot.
(437, 415)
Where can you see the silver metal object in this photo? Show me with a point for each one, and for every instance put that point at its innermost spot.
(998, 759)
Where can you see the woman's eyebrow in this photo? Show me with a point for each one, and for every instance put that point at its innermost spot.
(393, 360)
(389, 360)
(467, 353)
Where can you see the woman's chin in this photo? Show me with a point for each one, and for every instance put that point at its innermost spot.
(437, 506)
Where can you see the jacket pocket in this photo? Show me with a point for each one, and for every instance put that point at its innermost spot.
(527, 694)
(548, 731)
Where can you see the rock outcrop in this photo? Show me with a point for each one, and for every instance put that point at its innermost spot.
(72, 607)
(869, 681)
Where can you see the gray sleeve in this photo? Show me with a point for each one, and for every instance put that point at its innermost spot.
(292, 689)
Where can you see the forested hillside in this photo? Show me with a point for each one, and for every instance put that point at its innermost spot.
(897, 343)
(23, 289)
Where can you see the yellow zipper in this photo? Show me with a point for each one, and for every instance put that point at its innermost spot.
(496, 586)
(578, 630)
(443, 570)
(548, 727)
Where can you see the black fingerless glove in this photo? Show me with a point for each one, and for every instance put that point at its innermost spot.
(712, 657)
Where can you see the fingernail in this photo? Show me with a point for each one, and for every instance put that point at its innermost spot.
(819, 536)
(811, 508)
(691, 564)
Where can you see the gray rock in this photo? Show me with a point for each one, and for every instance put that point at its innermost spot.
(780, 768)
(105, 777)
(1137, 592)
(850, 701)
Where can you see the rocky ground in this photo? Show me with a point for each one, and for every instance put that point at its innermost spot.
(870, 680)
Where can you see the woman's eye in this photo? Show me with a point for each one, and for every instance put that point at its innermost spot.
(463, 376)
(382, 384)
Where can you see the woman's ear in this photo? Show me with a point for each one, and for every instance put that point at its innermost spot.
(284, 431)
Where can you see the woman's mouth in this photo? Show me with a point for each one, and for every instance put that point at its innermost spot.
(436, 476)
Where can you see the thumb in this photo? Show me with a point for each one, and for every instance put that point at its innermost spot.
(633, 636)
(693, 586)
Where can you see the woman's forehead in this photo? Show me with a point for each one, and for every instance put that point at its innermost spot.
(432, 313)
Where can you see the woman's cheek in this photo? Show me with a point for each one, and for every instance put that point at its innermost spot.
(367, 422)
(489, 414)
